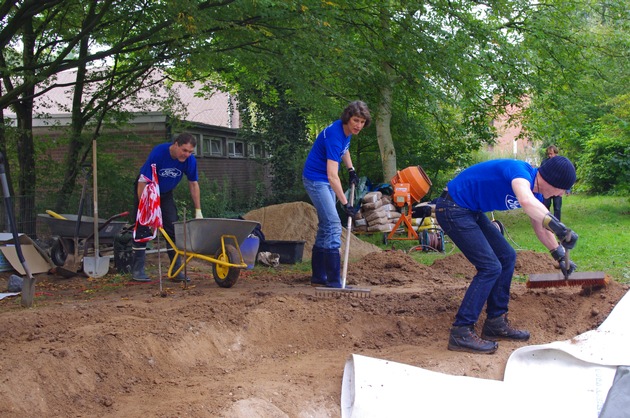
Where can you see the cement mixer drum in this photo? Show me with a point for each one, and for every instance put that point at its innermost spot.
(419, 182)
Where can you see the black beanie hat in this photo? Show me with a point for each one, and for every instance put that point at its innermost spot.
(558, 172)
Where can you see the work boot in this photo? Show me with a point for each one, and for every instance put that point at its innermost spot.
(499, 329)
(464, 338)
(137, 267)
(318, 266)
(333, 268)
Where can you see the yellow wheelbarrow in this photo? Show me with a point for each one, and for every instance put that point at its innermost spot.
(215, 240)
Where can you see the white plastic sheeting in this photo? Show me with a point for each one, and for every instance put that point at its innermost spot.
(562, 379)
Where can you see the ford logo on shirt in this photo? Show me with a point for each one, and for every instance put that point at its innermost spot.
(170, 172)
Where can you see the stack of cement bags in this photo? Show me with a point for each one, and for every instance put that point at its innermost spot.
(376, 214)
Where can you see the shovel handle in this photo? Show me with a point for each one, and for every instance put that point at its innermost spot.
(567, 264)
(344, 271)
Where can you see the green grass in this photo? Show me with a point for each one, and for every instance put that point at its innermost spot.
(602, 223)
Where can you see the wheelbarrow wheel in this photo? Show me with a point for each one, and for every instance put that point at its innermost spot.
(58, 253)
(226, 276)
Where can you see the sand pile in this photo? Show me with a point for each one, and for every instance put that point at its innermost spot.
(297, 221)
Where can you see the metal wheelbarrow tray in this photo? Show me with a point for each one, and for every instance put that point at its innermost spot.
(216, 240)
(63, 231)
(66, 227)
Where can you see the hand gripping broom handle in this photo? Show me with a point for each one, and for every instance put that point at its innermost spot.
(348, 233)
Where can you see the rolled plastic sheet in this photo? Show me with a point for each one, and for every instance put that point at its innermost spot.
(375, 388)
(580, 371)
(561, 379)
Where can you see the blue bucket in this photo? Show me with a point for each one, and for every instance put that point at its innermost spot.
(249, 249)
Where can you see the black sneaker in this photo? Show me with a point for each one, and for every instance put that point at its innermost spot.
(499, 328)
(464, 338)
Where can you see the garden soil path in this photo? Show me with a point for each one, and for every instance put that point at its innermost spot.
(267, 347)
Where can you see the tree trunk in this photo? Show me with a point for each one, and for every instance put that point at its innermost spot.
(383, 128)
(26, 149)
(71, 160)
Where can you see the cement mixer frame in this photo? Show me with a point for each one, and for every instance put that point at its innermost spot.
(410, 186)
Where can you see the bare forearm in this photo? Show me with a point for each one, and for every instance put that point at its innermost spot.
(332, 171)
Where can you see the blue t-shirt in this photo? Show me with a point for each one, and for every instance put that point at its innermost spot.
(487, 186)
(331, 144)
(169, 170)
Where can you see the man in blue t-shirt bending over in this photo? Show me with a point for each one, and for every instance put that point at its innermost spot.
(173, 161)
(489, 186)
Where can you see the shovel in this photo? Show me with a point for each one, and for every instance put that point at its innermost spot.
(77, 227)
(95, 266)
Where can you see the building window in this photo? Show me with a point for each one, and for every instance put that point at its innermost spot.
(255, 151)
(212, 146)
(236, 149)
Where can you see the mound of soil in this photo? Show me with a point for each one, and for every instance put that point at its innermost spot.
(270, 346)
(297, 221)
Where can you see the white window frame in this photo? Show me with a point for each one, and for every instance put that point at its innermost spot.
(236, 149)
(216, 147)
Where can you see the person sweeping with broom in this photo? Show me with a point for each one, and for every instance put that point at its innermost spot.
(321, 181)
(172, 161)
(460, 211)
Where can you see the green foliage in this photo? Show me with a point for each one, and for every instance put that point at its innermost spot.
(604, 167)
(578, 52)
(218, 199)
(442, 70)
(281, 127)
(115, 192)
(215, 199)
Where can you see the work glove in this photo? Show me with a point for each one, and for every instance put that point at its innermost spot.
(559, 254)
(354, 178)
(422, 211)
(198, 214)
(567, 237)
(350, 210)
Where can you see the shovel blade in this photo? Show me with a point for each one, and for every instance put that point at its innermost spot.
(96, 266)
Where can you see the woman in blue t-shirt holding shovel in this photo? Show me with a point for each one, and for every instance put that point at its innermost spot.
(323, 185)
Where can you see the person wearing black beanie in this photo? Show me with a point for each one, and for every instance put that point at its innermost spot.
(460, 211)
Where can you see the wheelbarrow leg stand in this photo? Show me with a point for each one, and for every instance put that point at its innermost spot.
(176, 267)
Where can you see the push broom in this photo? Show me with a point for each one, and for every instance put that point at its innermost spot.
(584, 279)
(343, 290)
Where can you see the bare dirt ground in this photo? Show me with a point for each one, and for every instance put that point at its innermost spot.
(267, 347)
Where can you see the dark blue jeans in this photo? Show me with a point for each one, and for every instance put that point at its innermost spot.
(557, 205)
(484, 246)
(329, 227)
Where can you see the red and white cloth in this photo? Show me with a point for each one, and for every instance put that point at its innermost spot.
(149, 211)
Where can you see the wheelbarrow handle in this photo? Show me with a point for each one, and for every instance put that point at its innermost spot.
(85, 241)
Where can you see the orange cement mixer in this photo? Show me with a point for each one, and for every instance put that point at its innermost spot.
(410, 185)
(417, 179)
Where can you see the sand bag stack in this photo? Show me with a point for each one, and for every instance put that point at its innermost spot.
(376, 214)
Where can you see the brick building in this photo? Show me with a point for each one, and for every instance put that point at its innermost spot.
(510, 142)
(221, 153)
